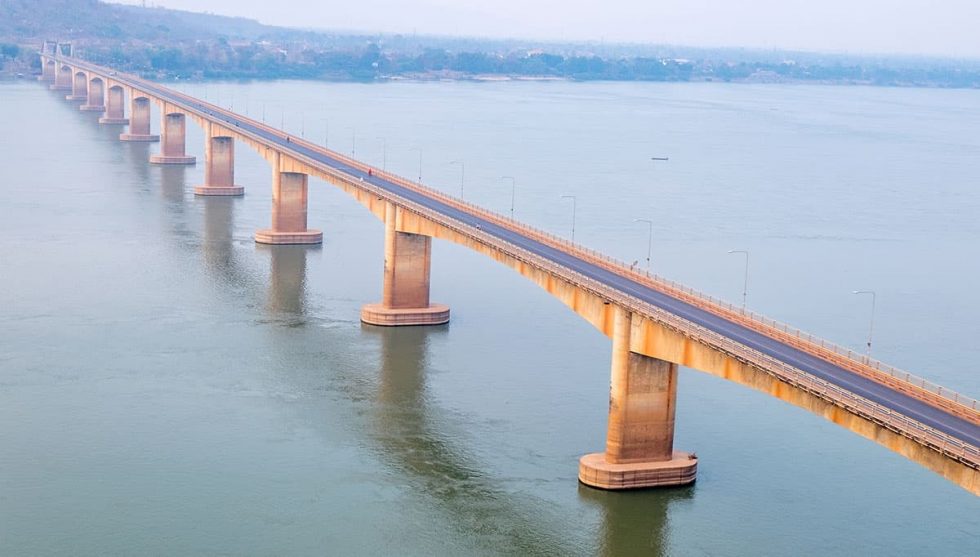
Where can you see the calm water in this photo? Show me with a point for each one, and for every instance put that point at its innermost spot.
(169, 387)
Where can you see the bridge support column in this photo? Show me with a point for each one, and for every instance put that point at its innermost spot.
(219, 169)
(405, 300)
(62, 78)
(79, 88)
(640, 438)
(115, 107)
(289, 201)
(139, 123)
(96, 96)
(48, 71)
(172, 144)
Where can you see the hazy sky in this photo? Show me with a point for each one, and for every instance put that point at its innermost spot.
(939, 27)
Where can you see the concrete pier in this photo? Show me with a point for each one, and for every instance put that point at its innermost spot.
(172, 141)
(48, 72)
(96, 96)
(289, 203)
(79, 88)
(405, 299)
(640, 437)
(219, 169)
(62, 79)
(139, 123)
(115, 107)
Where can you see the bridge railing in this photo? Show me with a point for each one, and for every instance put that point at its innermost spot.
(891, 420)
(876, 370)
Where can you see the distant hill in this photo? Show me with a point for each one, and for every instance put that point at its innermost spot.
(25, 20)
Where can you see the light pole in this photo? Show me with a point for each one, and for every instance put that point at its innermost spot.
(649, 239)
(353, 140)
(384, 153)
(513, 192)
(302, 125)
(745, 283)
(419, 149)
(326, 134)
(572, 197)
(462, 175)
(871, 327)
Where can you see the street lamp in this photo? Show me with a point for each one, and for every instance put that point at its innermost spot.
(462, 175)
(649, 240)
(871, 327)
(353, 140)
(572, 197)
(745, 283)
(513, 191)
(419, 149)
(384, 153)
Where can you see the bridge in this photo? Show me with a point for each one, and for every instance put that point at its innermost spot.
(655, 325)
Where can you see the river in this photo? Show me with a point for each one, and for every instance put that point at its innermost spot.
(168, 387)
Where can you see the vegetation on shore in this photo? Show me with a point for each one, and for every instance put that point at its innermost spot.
(164, 43)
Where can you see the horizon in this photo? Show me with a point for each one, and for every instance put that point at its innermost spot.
(764, 25)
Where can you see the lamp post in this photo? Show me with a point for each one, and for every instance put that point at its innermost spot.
(462, 175)
(745, 282)
(572, 197)
(649, 239)
(353, 140)
(326, 134)
(384, 153)
(513, 192)
(871, 327)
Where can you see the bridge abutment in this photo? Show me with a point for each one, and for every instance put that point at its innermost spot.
(290, 192)
(173, 141)
(139, 121)
(219, 169)
(405, 299)
(115, 107)
(640, 436)
(96, 96)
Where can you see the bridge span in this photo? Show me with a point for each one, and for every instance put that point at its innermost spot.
(655, 325)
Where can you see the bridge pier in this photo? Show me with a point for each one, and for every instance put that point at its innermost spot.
(79, 87)
(219, 167)
(139, 123)
(115, 107)
(640, 436)
(96, 96)
(405, 299)
(62, 78)
(172, 144)
(48, 71)
(289, 202)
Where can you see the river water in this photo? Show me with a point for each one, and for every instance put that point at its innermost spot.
(169, 387)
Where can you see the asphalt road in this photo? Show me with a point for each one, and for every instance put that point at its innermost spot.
(871, 390)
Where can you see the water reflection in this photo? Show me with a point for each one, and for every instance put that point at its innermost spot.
(417, 439)
(634, 523)
(287, 281)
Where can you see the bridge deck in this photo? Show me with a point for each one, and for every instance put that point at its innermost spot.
(941, 420)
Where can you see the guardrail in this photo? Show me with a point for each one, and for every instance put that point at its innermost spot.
(897, 422)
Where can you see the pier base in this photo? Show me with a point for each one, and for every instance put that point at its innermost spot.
(595, 471)
(269, 236)
(76, 98)
(92, 108)
(139, 137)
(114, 121)
(171, 159)
(378, 314)
(219, 190)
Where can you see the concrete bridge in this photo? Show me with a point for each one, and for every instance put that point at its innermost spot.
(655, 325)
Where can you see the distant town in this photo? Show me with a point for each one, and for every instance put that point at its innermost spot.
(170, 44)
